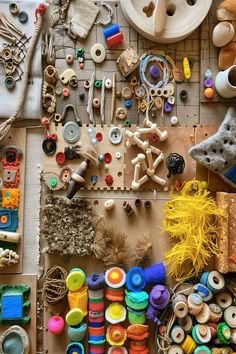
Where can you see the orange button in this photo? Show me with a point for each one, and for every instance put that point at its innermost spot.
(4, 219)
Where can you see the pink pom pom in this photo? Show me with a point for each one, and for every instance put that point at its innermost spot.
(56, 325)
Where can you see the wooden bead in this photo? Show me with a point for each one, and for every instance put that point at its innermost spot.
(96, 103)
(69, 59)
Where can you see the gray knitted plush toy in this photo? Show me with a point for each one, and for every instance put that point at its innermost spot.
(218, 152)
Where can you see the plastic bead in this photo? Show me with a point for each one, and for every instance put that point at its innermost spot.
(115, 40)
(94, 180)
(101, 158)
(209, 92)
(60, 158)
(118, 155)
(154, 71)
(80, 60)
(99, 136)
(81, 66)
(111, 30)
(53, 182)
(167, 107)
(80, 53)
(108, 84)
(81, 96)
(128, 103)
(174, 120)
(96, 103)
(56, 325)
(107, 157)
(98, 84)
(186, 66)
(208, 74)
(208, 83)
(66, 92)
(109, 180)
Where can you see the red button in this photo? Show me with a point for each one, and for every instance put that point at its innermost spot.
(60, 158)
(109, 180)
(107, 157)
(99, 136)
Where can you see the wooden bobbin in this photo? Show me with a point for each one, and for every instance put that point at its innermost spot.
(203, 316)
(195, 304)
(215, 312)
(180, 306)
(177, 334)
(186, 323)
(224, 299)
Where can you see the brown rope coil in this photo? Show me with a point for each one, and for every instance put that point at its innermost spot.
(54, 289)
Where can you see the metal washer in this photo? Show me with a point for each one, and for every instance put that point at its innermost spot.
(71, 132)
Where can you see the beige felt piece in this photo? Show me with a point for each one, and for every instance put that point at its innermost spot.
(17, 137)
(143, 220)
(30, 328)
(182, 18)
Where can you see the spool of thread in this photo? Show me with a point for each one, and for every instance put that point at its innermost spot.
(180, 306)
(177, 334)
(203, 291)
(195, 304)
(186, 323)
(215, 312)
(188, 345)
(204, 277)
(224, 333)
(215, 281)
(233, 336)
(224, 299)
(201, 334)
(203, 316)
(202, 349)
(175, 349)
(230, 316)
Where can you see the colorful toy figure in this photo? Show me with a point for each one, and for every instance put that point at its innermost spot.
(10, 198)
(13, 304)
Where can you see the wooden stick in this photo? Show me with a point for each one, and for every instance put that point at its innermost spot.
(159, 17)
(113, 97)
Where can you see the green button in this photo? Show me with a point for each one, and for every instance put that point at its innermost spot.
(98, 83)
(53, 182)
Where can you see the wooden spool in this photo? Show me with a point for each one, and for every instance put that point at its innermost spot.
(181, 19)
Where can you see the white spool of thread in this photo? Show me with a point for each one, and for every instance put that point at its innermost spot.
(225, 82)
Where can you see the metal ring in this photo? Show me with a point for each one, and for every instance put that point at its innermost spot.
(57, 118)
(14, 9)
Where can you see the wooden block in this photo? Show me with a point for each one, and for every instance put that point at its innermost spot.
(30, 328)
(227, 238)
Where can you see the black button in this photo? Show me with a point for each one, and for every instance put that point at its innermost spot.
(49, 146)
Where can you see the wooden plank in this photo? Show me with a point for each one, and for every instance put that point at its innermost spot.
(31, 329)
(143, 220)
(17, 137)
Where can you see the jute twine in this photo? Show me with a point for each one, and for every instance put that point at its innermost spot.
(54, 289)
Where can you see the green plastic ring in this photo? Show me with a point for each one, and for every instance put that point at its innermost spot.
(98, 84)
(10, 82)
(127, 123)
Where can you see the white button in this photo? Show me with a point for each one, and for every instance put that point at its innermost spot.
(108, 84)
(118, 155)
(98, 53)
(174, 120)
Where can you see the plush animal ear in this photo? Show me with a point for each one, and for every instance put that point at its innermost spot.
(218, 152)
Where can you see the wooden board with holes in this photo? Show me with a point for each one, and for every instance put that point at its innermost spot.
(179, 140)
(115, 167)
(215, 183)
(144, 220)
(30, 328)
(17, 137)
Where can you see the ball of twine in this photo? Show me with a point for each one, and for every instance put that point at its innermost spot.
(54, 289)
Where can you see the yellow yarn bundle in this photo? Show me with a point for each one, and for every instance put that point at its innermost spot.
(190, 220)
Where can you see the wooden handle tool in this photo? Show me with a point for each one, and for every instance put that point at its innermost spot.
(159, 17)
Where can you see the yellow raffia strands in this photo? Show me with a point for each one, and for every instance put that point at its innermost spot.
(190, 221)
